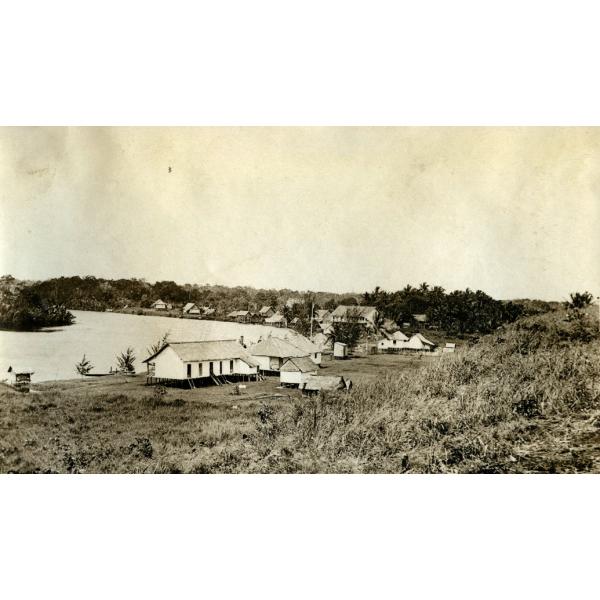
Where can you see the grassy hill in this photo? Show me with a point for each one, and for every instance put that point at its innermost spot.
(525, 399)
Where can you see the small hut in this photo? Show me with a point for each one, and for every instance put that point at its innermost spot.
(159, 305)
(191, 309)
(340, 350)
(294, 371)
(20, 378)
(449, 348)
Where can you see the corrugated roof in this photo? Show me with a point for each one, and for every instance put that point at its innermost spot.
(276, 347)
(301, 342)
(208, 350)
(302, 364)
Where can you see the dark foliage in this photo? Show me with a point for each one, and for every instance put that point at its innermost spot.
(458, 312)
(27, 308)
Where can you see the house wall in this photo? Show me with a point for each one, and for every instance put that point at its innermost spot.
(339, 350)
(291, 377)
(275, 363)
(168, 365)
(263, 362)
(242, 368)
(316, 357)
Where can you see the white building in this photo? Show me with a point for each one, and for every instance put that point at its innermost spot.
(180, 361)
(365, 315)
(419, 342)
(159, 305)
(191, 309)
(294, 371)
(393, 342)
(340, 350)
(272, 352)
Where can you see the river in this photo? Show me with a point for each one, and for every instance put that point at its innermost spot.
(52, 353)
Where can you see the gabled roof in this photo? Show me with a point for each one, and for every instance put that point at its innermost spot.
(399, 336)
(302, 364)
(189, 307)
(158, 302)
(276, 318)
(276, 347)
(301, 342)
(238, 313)
(424, 339)
(264, 310)
(208, 350)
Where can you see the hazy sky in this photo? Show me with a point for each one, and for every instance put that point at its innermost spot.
(512, 211)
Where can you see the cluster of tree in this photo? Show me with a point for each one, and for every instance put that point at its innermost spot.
(94, 293)
(578, 300)
(24, 308)
(125, 363)
(457, 312)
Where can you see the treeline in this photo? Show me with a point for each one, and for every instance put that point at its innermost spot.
(95, 293)
(24, 308)
(458, 312)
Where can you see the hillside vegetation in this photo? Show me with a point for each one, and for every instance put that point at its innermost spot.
(526, 399)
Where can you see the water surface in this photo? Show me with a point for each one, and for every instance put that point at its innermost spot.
(52, 353)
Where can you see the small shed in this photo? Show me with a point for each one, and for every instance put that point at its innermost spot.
(340, 350)
(323, 383)
(159, 305)
(294, 371)
(20, 378)
(191, 309)
(449, 348)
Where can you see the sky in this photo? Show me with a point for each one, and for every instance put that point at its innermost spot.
(512, 211)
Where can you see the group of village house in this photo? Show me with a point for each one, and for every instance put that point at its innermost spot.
(293, 357)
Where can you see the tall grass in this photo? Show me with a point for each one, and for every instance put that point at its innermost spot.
(530, 390)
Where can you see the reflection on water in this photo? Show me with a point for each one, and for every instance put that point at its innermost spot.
(53, 352)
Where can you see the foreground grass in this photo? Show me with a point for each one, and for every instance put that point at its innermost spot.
(526, 399)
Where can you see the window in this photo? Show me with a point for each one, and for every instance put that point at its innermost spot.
(189, 370)
(200, 369)
(231, 366)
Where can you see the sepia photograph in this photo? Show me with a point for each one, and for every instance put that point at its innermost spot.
(300, 300)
